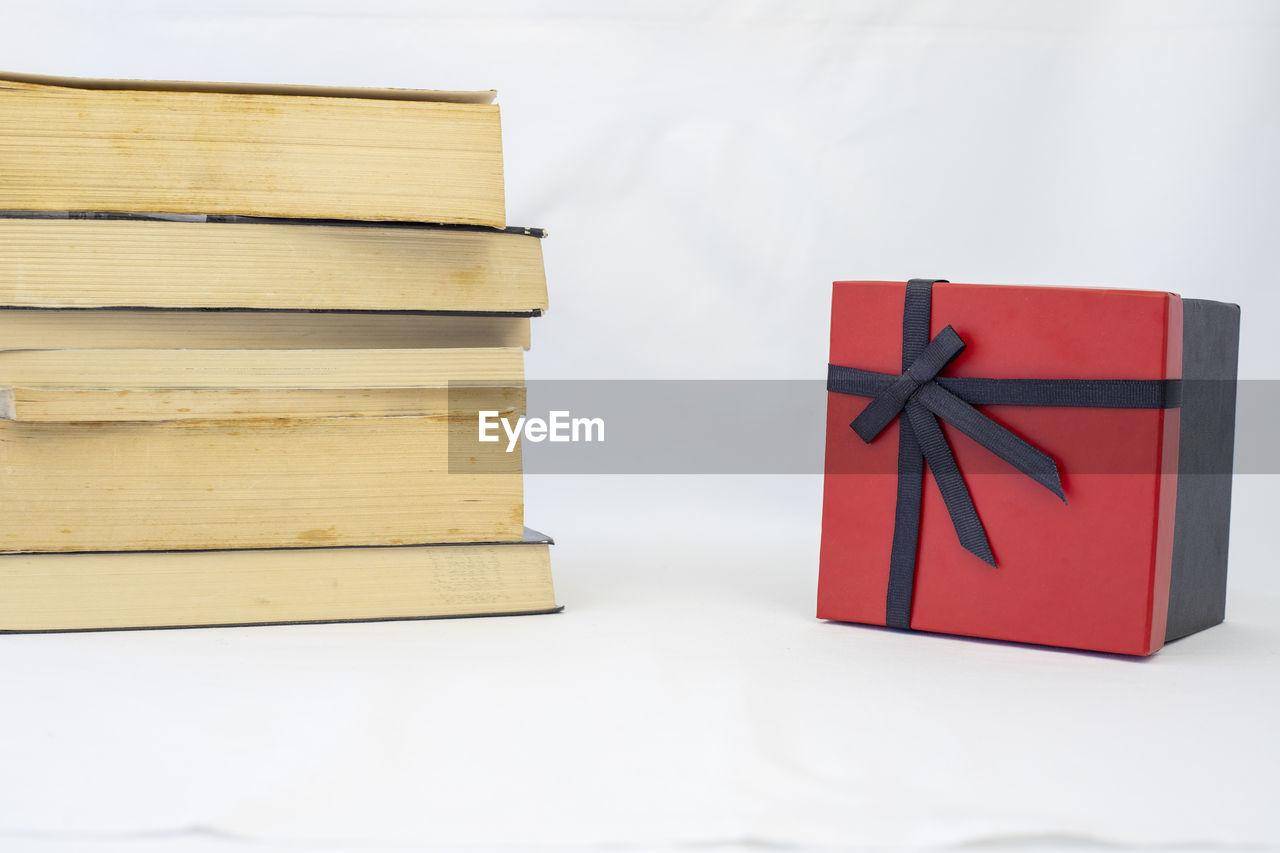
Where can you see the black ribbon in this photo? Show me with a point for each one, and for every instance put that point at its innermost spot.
(922, 396)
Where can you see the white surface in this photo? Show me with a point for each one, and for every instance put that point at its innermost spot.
(705, 171)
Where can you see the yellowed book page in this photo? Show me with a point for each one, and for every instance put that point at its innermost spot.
(255, 484)
(42, 592)
(194, 368)
(15, 79)
(106, 328)
(121, 263)
(80, 405)
(247, 153)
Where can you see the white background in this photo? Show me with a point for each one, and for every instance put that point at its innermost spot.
(706, 170)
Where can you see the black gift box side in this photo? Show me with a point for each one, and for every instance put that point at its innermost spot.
(1210, 352)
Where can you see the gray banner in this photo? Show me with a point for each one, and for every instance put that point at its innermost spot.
(775, 427)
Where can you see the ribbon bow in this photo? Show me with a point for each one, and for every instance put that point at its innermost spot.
(923, 396)
(917, 392)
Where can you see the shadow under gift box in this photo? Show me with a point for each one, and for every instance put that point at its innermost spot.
(1136, 556)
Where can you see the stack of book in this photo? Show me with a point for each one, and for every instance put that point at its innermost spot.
(245, 337)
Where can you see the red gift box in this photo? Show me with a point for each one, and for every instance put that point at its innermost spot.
(1091, 571)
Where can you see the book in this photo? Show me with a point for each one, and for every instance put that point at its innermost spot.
(105, 405)
(64, 592)
(246, 336)
(195, 449)
(108, 328)
(260, 368)
(294, 151)
(157, 263)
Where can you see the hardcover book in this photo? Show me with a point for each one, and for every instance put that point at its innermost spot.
(155, 589)
(192, 449)
(255, 150)
(125, 262)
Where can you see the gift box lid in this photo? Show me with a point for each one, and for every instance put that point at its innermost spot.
(1088, 572)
